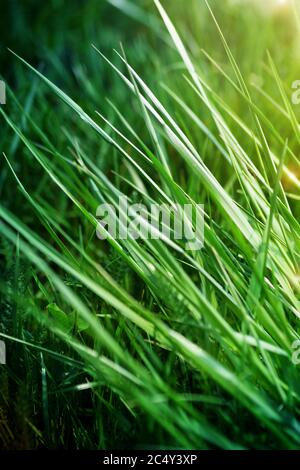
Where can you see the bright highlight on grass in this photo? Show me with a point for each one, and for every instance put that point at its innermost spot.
(268, 7)
(136, 342)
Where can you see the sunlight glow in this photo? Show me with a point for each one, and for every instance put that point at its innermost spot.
(279, 5)
(269, 7)
(291, 177)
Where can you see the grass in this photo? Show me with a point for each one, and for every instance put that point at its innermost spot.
(144, 344)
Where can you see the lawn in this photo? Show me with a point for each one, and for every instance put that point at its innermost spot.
(141, 342)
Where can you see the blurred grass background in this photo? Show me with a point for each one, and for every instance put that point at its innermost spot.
(46, 409)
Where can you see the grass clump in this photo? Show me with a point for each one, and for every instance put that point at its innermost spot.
(129, 343)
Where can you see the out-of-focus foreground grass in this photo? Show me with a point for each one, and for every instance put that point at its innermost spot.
(135, 343)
